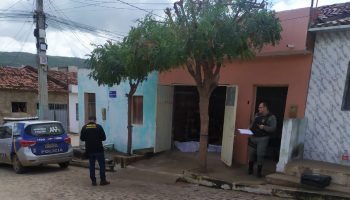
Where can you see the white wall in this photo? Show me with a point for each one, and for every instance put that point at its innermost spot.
(328, 127)
(73, 100)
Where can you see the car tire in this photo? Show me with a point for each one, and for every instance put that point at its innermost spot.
(64, 165)
(17, 166)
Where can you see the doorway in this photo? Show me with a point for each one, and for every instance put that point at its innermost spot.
(90, 105)
(186, 118)
(276, 97)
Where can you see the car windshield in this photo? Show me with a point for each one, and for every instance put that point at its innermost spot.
(47, 129)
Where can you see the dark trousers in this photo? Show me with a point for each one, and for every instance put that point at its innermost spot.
(100, 157)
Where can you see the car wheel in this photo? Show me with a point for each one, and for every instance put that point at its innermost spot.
(63, 165)
(16, 164)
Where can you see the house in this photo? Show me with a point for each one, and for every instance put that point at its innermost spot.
(319, 143)
(110, 107)
(278, 74)
(327, 135)
(19, 93)
(73, 98)
(169, 100)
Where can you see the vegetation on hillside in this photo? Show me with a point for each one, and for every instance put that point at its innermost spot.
(17, 59)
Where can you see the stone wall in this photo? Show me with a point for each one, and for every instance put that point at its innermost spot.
(30, 97)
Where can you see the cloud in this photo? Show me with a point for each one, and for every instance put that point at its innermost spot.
(108, 15)
(293, 4)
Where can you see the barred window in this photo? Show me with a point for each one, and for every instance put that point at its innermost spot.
(19, 107)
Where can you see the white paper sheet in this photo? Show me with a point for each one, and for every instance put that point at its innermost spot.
(245, 131)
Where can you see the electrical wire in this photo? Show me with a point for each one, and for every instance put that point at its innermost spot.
(71, 24)
(15, 37)
(139, 8)
(75, 35)
(22, 45)
(12, 5)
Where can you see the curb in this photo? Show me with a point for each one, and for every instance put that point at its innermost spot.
(267, 189)
(85, 164)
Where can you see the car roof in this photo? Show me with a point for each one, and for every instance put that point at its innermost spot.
(30, 122)
(38, 122)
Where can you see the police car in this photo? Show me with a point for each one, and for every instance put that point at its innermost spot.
(34, 142)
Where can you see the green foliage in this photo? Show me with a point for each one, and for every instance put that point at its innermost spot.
(106, 63)
(17, 59)
(212, 30)
(130, 60)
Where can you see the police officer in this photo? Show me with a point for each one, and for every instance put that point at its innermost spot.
(264, 124)
(93, 135)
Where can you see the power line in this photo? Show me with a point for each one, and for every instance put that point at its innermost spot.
(22, 45)
(103, 6)
(83, 27)
(15, 37)
(75, 35)
(12, 5)
(135, 3)
(139, 8)
(59, 28)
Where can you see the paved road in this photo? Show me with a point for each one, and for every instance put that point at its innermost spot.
(51, 183)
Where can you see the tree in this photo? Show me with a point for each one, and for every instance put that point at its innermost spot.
(130, 60)
(200, 35)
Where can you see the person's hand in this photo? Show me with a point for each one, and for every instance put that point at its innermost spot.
(261, 126)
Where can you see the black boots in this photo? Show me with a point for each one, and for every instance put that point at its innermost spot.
(251, 167)
(259, 175)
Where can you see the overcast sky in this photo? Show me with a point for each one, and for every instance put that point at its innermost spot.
(16, 32)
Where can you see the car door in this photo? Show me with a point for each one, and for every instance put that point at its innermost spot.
(5, 143)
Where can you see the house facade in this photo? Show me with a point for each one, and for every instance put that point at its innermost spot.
(110, 107)
(279, 75)
(19, 93)
(327, 135)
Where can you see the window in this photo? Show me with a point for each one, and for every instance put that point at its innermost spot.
(346, 97)
(53, 106)
(76, 112)
(90, 105)
(5, 132)
(137, 110)
(19, 107)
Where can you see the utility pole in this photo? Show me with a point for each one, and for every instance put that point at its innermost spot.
(41, 46)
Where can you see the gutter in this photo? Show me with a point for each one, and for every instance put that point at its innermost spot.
(330, 28)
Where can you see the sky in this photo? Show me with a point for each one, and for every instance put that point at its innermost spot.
(111, 18)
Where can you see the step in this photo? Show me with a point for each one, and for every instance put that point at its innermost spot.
(293, 181)
(340, 174)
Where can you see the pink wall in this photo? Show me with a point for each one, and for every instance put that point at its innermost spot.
(295, 26)
(275, 66)
(292, 71)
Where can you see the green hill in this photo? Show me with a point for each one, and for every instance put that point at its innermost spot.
(17, 59)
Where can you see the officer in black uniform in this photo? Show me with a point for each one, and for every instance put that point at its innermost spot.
(93, 135)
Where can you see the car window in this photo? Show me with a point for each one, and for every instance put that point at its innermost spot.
(47, 129)
(16, 131)
(5, 132)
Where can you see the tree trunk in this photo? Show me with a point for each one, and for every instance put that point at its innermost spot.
(204, 121)
(129, 123)
(133, 87)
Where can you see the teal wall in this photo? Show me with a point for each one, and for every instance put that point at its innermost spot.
(115, 125)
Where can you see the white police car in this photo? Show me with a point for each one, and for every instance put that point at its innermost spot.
(34, 142)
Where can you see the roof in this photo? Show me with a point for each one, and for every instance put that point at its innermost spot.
(26, 78)
(331, 15)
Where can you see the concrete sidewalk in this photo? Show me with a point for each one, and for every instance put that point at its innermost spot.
(185, 167)
(179, 166)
